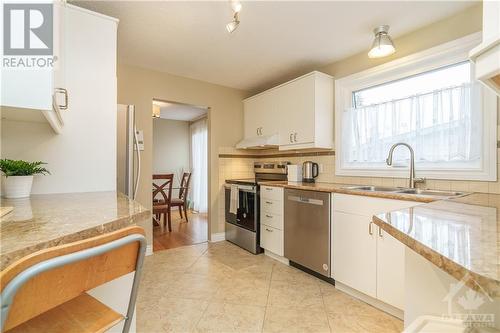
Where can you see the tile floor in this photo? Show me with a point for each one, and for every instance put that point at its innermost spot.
(218, 287)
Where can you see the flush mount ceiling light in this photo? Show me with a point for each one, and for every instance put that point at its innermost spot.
(382, 44)
(231, 26)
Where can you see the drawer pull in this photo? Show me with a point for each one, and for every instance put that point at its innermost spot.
(269, 230)
(268, 189)
(269, 202)
(269, 216)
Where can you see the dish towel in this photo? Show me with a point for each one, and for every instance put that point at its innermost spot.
(234, 202)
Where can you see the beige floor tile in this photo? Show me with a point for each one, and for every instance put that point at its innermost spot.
(208, 266)
(245, 290)
(364, 324)
(194, 286)
(173, 262)
(289, 320)
(282, 272)
(294, 294)
(223, 317)
(181, 315)
(338, 302)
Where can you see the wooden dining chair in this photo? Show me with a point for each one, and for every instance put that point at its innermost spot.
(46, 290)
(162, 196)
(181, 201)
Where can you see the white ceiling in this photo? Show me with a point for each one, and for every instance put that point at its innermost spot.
(274, 40)
(175, 111)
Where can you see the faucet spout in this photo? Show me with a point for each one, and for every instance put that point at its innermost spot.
(412, 180)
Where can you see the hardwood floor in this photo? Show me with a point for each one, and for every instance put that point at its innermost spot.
(192, 232)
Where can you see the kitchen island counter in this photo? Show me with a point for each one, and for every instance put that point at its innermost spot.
(43, 221)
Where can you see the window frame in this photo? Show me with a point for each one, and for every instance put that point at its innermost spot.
(440, 56)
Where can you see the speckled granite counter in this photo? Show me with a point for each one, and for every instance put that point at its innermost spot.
(341, 188)
(461, 236)
(43, 221)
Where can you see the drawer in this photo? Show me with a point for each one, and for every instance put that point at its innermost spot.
(271, 192)
(272, 220)
(368, 206)
(271, 206)
(271, 239)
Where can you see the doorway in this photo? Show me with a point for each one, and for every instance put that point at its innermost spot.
(180, 149)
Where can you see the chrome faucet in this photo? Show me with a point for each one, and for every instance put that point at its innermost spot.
(412, 179)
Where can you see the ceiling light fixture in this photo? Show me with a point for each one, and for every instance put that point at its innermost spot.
(382, 44)
(231, 26)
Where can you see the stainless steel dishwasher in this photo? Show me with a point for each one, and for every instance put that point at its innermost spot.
(307, 230)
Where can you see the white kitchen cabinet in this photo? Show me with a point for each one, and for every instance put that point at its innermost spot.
(299, 111)
(41, 89)
(260, 116)
(271, 220)
(390, 276)
(366, 258)
(86, 144)
(355, 252)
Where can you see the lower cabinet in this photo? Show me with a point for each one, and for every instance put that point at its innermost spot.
(271, 219)
(365, 257)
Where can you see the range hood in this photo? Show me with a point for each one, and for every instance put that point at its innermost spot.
(259, 142)
(486, 56)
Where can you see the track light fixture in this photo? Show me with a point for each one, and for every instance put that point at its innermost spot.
(236, 7)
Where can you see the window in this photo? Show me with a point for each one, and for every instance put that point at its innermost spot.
(429, 101)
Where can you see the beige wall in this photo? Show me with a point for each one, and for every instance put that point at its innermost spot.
(170, 145)
(139, 87)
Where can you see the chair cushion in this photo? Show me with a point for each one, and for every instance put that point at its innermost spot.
(177, 201)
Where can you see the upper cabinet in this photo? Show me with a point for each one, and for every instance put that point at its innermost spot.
(486, 56)
(41, 89)
(300, 112)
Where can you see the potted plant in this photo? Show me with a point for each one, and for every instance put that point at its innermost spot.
(18, 177)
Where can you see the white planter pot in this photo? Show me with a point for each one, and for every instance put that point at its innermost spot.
(16, 186)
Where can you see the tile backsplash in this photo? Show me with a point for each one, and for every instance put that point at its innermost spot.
(234, 163)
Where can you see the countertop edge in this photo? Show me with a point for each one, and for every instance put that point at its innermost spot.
(472, 279)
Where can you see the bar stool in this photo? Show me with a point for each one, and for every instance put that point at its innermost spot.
(46, 290)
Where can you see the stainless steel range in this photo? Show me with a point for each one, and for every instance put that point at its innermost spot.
(243, 220)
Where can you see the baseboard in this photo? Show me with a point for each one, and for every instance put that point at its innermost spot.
(276, 257)
(218, 237)
(149, 249)
(370, 300)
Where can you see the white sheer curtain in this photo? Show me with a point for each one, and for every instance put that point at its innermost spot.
(443, 127)
(199, 147)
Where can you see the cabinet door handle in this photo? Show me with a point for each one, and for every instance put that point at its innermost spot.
(295, 137)
(269, 230)
(380, 232)
(257, 131)
(65, 93)
(268, 188)
(291, 137)
(370, 231)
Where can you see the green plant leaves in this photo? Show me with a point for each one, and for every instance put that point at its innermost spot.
(22, 168)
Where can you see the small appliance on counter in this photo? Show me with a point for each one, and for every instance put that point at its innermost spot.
(310, 170)
(294, 173)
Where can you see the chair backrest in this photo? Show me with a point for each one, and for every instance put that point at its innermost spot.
(163, 186)
(186, 179)
(50, 277)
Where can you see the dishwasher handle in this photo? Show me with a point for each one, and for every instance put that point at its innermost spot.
(305, 200)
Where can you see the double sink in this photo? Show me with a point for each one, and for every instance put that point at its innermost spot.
(402, 190)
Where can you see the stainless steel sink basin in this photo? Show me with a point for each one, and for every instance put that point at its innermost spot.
(435, 193)
(401, 190)
(374, 188)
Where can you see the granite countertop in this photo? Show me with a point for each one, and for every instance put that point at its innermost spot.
(43, 221)
(459, 235)
(341, 188)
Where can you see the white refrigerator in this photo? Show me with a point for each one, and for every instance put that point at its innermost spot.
(130, 143)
